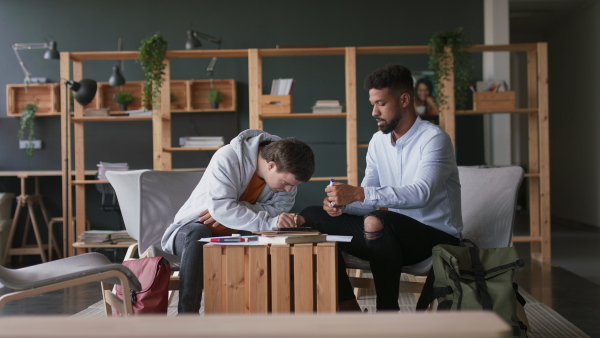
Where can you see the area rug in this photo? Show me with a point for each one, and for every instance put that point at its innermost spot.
(543, 321)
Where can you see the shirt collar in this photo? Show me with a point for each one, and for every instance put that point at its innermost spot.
(413, 129)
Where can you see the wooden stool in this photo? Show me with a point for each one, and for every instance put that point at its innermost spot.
(31, 221)
(279, 278)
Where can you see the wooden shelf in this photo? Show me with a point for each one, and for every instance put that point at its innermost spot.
(191, 149)
(110, 118)
(505, 111)
(302, 115)
(83, 245)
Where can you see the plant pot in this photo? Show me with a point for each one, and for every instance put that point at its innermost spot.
(214, 105)
(123, 106)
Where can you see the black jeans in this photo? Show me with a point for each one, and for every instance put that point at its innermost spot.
(191, 274)
(402, 241)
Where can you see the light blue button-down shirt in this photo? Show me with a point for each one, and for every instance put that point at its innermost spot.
(417, 177)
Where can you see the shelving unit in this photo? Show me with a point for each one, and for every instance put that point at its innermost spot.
(537, 110)
(190, 97)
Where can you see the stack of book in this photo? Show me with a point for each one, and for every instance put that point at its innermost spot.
(121, 237)
(202, 141)
(139, 112)
(106, 237)
(290, 236)
(103, 167)
(96, 112)
(327, 106)
(282, 86)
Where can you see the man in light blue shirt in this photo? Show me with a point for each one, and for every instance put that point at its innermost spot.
(411, 173)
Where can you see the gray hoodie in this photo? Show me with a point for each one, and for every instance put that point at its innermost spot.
(226, 177)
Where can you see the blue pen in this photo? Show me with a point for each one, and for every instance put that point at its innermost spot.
(332, 203)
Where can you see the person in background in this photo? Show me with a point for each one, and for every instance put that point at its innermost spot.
(424, 103)
(249, 185)
(411, 173)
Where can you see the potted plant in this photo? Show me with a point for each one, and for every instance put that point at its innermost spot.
(152, 53)
(173, 98)
(214, 97)
(123, 98)
(447, 51)
(27, 127)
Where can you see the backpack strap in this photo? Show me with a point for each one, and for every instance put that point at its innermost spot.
(426, 296)
(479, 276)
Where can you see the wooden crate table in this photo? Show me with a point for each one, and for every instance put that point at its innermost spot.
(278, 278)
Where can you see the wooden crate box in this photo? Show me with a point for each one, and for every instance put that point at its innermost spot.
(277, 278)
(494, 101)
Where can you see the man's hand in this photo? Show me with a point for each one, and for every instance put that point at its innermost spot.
(343, 194)
(332, 211)
(206, 219)
(286, 220)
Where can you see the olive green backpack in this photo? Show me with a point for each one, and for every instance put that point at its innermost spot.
(470, 278)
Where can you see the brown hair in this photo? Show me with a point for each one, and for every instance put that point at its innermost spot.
(291, 155)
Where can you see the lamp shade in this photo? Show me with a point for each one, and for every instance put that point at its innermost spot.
(116, 79)
(51, 53)
(192, 41)
(84, 90)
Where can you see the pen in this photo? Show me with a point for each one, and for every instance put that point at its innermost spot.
(332, 203)
(233, 239)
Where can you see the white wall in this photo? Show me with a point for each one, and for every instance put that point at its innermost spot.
(574, 85)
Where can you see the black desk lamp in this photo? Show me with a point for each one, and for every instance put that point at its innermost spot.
(193, 42)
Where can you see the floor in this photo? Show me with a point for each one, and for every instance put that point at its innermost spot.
(570, 285)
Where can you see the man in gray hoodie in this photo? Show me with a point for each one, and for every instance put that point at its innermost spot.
(249, 185)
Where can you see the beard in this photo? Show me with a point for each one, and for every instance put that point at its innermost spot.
(388, 127)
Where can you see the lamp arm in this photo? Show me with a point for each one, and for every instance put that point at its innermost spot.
(207, 37)
(21, 46)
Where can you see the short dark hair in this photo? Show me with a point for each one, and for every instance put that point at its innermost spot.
(291, 155)
(396, 78)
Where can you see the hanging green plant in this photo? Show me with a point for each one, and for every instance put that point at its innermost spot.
(152, 53)
(439, 64)
(27, 127)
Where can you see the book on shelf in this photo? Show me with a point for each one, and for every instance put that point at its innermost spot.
(282, 86)
(103, 167)
(96, 112)
(327, 106)
(139, 112)
(202, 141)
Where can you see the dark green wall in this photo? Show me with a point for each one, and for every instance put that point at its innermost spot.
(97, 25)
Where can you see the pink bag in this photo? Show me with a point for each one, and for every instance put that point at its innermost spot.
(154, 274)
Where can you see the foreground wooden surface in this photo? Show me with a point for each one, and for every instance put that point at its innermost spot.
(438, 324)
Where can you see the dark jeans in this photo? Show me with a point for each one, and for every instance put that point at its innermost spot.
(402, 241)
(191, 274)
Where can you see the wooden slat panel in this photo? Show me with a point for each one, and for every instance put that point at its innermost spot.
(213, 279)
(533, 144)
(254, 87)
(304, 274)
(280, 278)
(257, 295)
(234, 279)
(326, 277)
(351, 129)
(544, 135)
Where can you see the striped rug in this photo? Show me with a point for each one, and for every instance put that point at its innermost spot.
(543, 321)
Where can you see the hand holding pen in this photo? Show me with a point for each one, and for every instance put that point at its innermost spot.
(331, 185)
